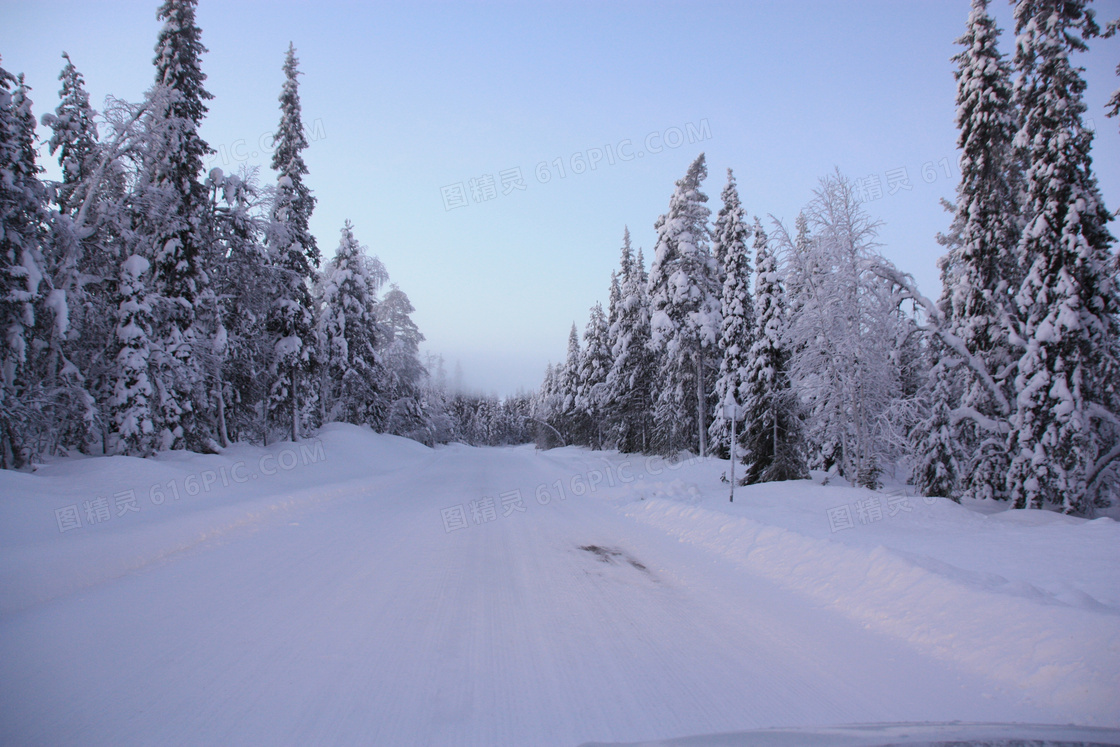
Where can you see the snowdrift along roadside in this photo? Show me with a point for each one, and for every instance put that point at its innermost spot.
(1054, 653)
(56, 539)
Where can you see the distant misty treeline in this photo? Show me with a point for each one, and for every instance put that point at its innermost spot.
(146, 305)
(1006, 387)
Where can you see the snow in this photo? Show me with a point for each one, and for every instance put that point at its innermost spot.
(135, 265)
(31, 271)
(56, 302)
(312, 593)
(917, 588)
(288, 346)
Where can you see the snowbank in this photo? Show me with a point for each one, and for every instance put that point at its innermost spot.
(1028, 598)
(78, 522)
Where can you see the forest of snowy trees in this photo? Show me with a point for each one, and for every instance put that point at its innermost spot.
(147, 305)
(1006, 387)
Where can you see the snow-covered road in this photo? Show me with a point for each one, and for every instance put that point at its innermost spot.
(349, 614)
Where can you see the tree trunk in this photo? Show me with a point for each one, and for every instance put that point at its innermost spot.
(774, 416)
(7, 457)
(263, 408)
(700, 402)
(295, 402)
(223, 431)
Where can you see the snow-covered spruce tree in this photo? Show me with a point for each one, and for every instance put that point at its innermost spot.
(90, 226)
(400, 354)
(130, 406)
(608, 424)
(546, 402)
(74, 138)
(23, 221)
(171, 228)
(774, 446)
(737, 327)
(1067, 377)
(685, 315)
(295, 256)
(354, 386)
(614, 301)
(75, 322)
(796, 251)
(594, 367)
(936, 470)
(844, 334)
(571, 420)
(981, 263)
(633, 366)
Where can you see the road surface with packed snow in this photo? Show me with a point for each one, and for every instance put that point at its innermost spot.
(363, 591)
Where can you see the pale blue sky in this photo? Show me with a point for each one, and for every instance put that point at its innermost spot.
(404, 100)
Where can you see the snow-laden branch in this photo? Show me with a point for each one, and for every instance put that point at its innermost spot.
(124, 131)
(965, 412)
(547, 425)
(1103, 463)
(936, 325)
(1097, 411)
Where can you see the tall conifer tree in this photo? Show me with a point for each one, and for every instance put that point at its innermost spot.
(772, 433)
(355, 380)
(295, 256)
(981, 265)
(685, 314)
(633, 363)
(23, 221)
(595, 366)
(737, 312)
(172, 226)
(1067, 303)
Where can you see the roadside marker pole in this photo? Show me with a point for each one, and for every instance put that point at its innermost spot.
(732, 412)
